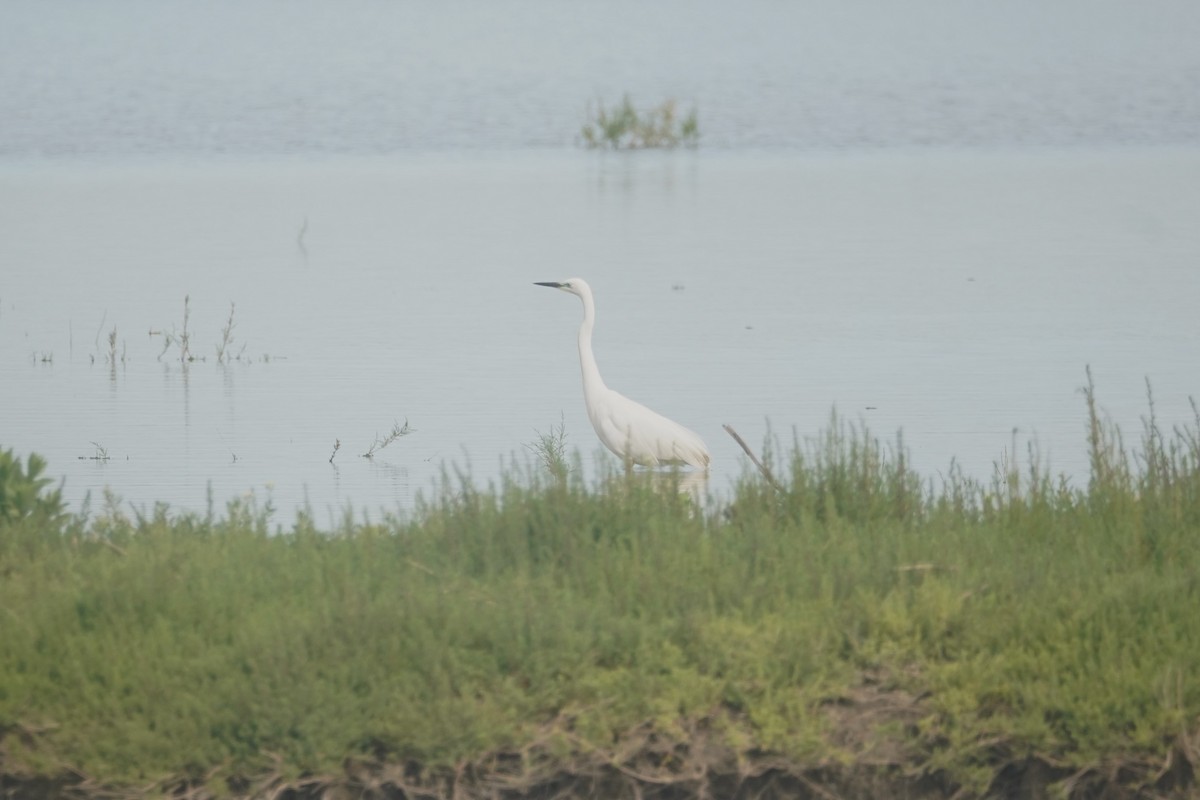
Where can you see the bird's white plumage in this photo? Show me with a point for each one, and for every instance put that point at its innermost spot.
(626, 427)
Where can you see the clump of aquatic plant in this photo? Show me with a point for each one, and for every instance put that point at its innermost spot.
(178, 338)
(100, 453)
(381, 442)
(626, 128)
(225, 346)
(113, 357)
(181, 338)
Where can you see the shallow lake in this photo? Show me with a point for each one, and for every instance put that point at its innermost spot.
(929, 223)
(955, 297)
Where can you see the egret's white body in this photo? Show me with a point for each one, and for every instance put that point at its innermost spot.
(626, 427)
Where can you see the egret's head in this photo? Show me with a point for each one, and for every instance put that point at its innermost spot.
(576, 286)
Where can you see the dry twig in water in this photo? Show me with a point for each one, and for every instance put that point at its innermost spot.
(763, 468)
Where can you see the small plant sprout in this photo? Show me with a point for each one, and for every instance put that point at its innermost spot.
(337, 445)
(626, 128)
(224, 352)
(113, 358)
(181, 339)
(381, 442)
(185, 351)
(551, 449)
(100, 454)
(99, 328)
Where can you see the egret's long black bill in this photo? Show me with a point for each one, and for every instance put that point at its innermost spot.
(551, 284)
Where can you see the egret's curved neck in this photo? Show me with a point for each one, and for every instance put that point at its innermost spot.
(587, 361)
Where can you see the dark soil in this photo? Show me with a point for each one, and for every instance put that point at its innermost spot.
(871, 729)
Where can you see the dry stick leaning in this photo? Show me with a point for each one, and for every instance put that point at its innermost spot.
(763, 468)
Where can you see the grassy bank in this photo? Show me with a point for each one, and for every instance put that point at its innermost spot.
(863, 625)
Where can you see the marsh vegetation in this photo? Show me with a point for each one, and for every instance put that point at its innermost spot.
(861, 629)
(624, 127)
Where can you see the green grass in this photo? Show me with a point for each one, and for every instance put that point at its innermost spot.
(1018, 618)
(626, 128)
(551, 451)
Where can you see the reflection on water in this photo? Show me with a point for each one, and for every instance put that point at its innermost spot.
(955, 297)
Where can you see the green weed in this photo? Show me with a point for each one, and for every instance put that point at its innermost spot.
(626, 128)
(24, 490)
(551, 450)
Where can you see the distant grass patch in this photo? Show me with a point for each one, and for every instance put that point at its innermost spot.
(953, 634)
(626, 128)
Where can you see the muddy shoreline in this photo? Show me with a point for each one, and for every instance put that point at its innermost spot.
(765, 779)
(873, 731)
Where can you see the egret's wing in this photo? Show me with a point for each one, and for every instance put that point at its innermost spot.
(646, 437)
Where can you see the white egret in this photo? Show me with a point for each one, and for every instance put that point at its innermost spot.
(627, 428)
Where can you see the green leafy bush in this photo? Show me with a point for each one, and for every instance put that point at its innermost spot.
(21, 489)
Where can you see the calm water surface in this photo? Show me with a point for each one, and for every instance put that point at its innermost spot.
(132, 77)
(956, 297)
(931, 218)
